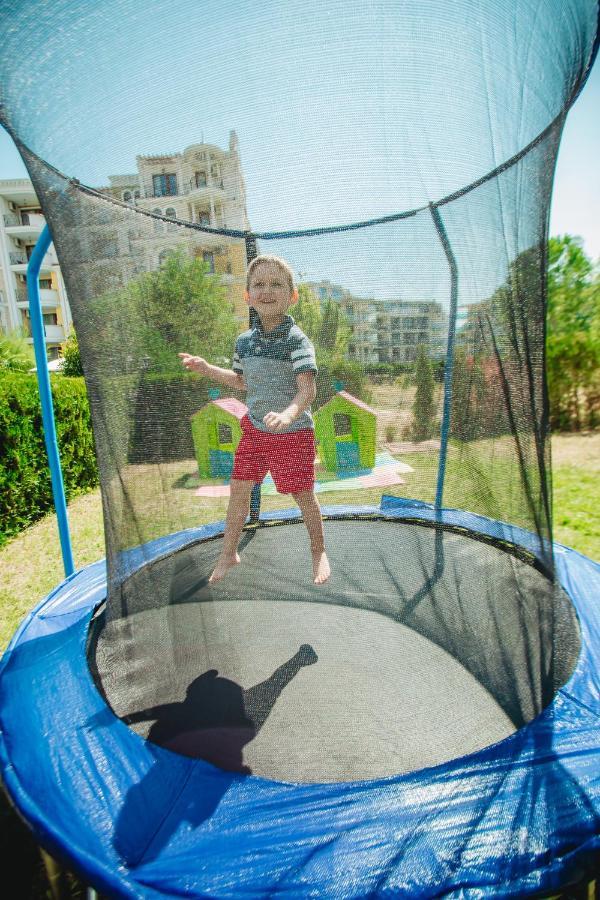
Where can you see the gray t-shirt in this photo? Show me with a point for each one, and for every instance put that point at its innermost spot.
(269, 364)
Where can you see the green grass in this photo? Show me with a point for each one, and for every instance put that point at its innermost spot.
(30, 564)
(576, 505)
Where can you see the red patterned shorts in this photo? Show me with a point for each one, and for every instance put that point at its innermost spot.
(289, 457)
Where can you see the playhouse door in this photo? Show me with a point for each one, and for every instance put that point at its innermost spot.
(221, 463)
(347, 455)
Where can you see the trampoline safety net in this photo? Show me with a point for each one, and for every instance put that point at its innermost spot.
(399, 156)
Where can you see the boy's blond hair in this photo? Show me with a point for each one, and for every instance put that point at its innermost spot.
(271, 261)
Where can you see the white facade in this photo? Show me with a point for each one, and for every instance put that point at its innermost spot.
(401, 327)
(21, 223)
(388, 330)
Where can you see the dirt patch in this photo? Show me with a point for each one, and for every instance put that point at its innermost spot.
(578, 449)
(412, 447)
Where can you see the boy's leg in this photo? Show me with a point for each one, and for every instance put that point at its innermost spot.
(237, 512)
(311, 513)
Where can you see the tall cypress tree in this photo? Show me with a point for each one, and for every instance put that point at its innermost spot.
(423, 425)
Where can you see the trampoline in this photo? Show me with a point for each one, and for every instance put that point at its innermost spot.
(427, 722)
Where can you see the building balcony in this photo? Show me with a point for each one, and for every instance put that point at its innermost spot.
(17, 259)
(27, 226)
(48, 297)
(198, 189)
(54, 334)
(19, 262)
(19, 191)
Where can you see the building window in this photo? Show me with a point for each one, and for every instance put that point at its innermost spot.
(50, 319)
(200, 179)
(171, 213)
(127, 196)
(164, 255)
(225, 434)
(209, 258)
(45, 284)
(164, 185)
(204, 218)
(342, 424)
(156, 223)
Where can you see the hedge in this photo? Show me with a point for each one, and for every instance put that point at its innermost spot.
(25, 486)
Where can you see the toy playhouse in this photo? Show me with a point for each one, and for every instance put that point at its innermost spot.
(346, 430)
(216, 431)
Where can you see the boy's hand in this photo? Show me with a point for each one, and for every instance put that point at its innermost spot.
(277, 421)
(194, 363)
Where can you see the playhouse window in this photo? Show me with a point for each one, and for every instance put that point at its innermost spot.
(225, 434)
(342, 424)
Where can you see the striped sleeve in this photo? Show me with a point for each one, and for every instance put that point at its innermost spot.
(303, 356)
(237, 363)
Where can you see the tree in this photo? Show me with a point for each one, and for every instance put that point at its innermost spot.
(145, 324)
(71, 359)
(326, 326)
(324, 323)
(424, 424)
(573, 335)
(16, 354)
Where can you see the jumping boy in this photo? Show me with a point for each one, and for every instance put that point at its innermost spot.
(274, 362)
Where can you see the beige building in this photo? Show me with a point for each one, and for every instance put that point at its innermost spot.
(21, 223)
(204, 185)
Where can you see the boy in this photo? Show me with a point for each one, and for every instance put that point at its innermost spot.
(274, 362)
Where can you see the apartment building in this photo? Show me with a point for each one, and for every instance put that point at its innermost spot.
(388, 330)
(21, 223)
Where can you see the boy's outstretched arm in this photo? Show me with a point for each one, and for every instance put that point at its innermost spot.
(307, 391)
(224, 376)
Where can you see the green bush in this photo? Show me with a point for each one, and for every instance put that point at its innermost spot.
(16, 354)
(25, 486)
(71, 359)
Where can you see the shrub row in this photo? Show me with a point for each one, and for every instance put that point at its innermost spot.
(25, 486)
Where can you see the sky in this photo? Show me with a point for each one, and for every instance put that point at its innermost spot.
(224, 92)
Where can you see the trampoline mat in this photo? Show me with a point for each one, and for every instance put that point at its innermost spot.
(424, 646)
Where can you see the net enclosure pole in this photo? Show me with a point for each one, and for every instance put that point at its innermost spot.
(43, 378)
(449, 364)
(251, 253)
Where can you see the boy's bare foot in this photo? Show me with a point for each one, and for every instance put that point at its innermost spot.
(321, 567)
(224, 564)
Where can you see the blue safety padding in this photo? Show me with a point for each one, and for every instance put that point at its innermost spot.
(523, 814)
(221, 463)
(389, 502)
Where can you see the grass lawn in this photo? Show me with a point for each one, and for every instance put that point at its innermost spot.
(30, 564)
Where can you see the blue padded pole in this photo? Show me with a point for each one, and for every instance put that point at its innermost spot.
(449, 366)
(255, 498)
(43, 377)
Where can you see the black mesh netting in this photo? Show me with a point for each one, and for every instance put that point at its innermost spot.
(400, 157)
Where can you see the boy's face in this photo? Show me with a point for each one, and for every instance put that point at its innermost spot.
(269, 291)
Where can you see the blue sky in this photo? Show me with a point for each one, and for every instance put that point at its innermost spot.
(319, 129)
